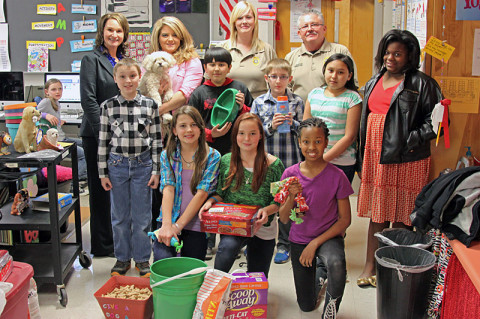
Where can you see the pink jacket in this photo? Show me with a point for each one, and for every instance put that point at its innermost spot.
(186, 77)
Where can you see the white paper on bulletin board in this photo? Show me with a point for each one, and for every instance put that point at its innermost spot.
(417, 20)
(2, 11)
(297, 7)
(4, 57)
(476, 54)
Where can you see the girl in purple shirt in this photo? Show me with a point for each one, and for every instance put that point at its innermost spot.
(326, 190)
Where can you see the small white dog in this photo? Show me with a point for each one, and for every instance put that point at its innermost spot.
(156, 66)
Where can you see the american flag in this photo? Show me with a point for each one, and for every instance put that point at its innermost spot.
(226, 7)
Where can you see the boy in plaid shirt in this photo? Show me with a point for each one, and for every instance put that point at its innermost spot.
(130, 144)
(278, 75)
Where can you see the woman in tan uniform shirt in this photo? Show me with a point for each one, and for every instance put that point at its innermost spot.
(250, 55)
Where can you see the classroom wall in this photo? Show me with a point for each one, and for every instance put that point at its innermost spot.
(464, 128)
(356, 20)
(20, 14)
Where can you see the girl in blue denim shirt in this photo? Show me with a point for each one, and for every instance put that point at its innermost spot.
(189, 171)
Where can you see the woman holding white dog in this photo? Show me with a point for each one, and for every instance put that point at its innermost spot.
(170, 35)
(96, 86)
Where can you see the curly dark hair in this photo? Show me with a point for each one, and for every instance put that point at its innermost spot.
(406, 38)
(313, 122)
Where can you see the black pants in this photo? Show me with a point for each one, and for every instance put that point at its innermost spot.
(100, 220)
(332, 254)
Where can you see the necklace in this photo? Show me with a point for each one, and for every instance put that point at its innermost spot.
(188, 163)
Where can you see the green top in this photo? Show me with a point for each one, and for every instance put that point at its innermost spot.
(245, 195)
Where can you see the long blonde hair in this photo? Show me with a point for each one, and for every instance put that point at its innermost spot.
(240, 9)
(186, 50)
(52, 100)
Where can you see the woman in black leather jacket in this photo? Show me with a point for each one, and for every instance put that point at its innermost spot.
(395, 134)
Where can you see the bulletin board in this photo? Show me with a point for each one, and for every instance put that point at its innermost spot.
(21, 14)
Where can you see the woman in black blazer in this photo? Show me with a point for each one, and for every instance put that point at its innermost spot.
(97, 85)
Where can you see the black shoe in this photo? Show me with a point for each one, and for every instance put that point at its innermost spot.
(209, 254)
(143, 269)
(120, 268)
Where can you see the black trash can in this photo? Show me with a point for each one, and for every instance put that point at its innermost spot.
(403, 280)
(403, 237)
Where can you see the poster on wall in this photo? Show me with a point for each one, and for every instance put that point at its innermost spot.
(468, 10)
(2, 12)
(398, 15)
(297, 7)
(37, 59)
(4, 57)
(137, 12)
(417, 20)
(137, 45)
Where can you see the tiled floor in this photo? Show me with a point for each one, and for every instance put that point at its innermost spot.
(357, 303)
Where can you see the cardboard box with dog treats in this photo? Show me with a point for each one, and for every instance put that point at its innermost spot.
(230, 219)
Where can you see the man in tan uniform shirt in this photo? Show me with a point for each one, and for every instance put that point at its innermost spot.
(307, 61)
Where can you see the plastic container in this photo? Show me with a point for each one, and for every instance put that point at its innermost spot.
(6, 265)
(282, 108)
(403, 237)
(177, 298)
(225, 108)
(403, 281)
(124, 308)
(12, 130)
(17, 298)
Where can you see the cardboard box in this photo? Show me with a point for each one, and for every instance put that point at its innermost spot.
(248, 296)
(230, 219)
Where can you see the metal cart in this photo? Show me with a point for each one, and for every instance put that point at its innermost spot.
(53, 260)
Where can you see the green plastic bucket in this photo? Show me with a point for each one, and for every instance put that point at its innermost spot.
(177, 298)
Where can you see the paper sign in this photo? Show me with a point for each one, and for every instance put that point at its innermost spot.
(47, 9)
(51, 45)
(44, 25)
(37, 59)
(436, 48)
(266, 10)
(464, 93)
(468, 10)
(82, 45)
(76, 64)
(266, 17)
(476, 54)
(84, 9)
(84, 26)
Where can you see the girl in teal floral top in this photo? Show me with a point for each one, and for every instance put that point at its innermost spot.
(244, 178)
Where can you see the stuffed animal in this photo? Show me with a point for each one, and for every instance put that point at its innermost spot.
(25, 141)
(20, 202)
(5, 142)
(280, 192)
(156, 66)
(50, 141)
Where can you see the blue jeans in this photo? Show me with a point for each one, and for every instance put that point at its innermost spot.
(259, 256)
(131, 206)
(332, 254)
(194, 246)
(82, 163)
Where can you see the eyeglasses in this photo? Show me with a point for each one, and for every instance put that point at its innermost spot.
(275, 77)
(311, 25)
